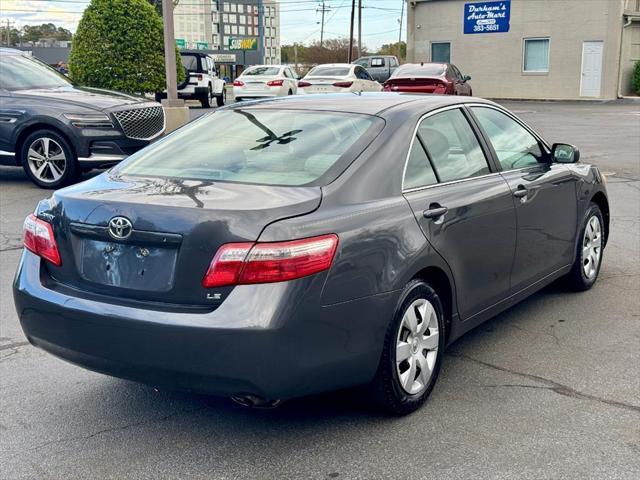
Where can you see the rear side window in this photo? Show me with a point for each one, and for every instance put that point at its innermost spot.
(452, 147)
(377, 62)
(419, 172)
(513, 144)
(260, 146)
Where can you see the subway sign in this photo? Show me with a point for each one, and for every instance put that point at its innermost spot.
(487, 17)
(243, 43)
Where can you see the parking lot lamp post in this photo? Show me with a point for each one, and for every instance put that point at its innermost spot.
(176, 112)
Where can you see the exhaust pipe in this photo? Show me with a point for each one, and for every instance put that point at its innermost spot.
(255, 401)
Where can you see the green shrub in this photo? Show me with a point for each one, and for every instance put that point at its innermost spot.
(119, 45)
(636, 78)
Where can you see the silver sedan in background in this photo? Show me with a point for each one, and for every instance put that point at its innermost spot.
(262, 81)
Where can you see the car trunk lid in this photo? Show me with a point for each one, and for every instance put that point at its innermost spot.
(171, 229)
(416, 85)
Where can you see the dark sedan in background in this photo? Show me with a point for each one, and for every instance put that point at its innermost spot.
(54, 129)
(314, 243)
(438, 78)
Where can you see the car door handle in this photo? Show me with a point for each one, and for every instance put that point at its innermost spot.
(521, 192)
(435, 211)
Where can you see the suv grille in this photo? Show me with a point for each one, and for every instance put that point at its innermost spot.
(141, 123)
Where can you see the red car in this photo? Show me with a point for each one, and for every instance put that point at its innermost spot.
(439, 78)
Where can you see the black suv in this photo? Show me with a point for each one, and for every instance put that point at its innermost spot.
(54, 129)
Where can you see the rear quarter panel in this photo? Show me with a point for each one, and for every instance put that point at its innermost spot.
(381, 245)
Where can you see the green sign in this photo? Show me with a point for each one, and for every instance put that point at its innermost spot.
(202, 45)
(243, 43)
(181, 43)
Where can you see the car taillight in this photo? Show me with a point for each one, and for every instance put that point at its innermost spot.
(303, 84)
(275, 83)
(199, 76)
(342, 84)
(386, 87)
(268, 262)
(238, 83)
(38, 238)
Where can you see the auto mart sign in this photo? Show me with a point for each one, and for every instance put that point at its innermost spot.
(487, 17)
(243, 43)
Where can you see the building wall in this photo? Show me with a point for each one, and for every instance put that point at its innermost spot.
(495, 60)
(192, 22)
(630, 53)
(214, 22)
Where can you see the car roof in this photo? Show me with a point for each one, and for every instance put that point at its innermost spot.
(11, 51)
(333, 65)
(367, 103)
(265, 65)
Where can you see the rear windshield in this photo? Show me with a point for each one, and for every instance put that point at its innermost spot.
(329, 72)
(428, 70)
(261, 146)
(190, 62)
(262, 71)
(19, 72)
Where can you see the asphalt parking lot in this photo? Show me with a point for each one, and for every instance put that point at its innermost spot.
(548, 389)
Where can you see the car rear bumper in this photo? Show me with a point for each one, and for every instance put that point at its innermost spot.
(275, 341)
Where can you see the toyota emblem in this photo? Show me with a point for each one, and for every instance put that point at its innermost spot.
(120, 228)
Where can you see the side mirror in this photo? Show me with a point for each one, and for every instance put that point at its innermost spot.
(466, 78)
(565, 153)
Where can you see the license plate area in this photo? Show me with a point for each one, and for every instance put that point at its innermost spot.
(136, 267)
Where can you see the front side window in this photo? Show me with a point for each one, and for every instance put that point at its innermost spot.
(18, 72)
(513, 144)
(452, 146)
(259, 146)
(536, 55)
(377, 62)
(362, 74)
(441, 52)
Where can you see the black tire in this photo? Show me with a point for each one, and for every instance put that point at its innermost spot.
(158, 97)
(290, 92)
(386, 391)
(222, 98)
(577, 278)
(206, 100)
(67, 174)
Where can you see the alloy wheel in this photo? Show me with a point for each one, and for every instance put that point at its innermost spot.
(417, 346)
(591, 247)
(47, 160)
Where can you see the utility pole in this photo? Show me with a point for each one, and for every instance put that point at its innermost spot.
(9, 25)
(400, 31)
(353, 10)
(323, 9)
(359, 28)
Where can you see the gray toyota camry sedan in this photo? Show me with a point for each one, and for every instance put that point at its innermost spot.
(286, 247)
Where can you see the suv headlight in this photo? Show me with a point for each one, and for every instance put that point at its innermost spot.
(89, 120)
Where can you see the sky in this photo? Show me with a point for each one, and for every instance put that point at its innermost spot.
(299, 20)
